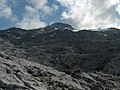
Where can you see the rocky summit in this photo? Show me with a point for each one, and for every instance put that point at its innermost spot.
(59, 57)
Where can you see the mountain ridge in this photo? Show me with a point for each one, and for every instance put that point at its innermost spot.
(59, 24)
(96, 48)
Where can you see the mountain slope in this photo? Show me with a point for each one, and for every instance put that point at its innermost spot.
(65, 50)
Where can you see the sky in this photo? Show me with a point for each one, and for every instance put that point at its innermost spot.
(81, 14)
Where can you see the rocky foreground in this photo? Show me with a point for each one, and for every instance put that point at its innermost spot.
(20, 74)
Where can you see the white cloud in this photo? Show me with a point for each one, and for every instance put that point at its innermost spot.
(5, 10)
(35, 13)
(31, 19)
(118, 8)
(43, 6)
(49, 10)
(90, 13)
(38, 3)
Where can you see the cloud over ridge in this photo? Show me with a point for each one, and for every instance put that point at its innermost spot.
(6, 11)
(34, 13)
(31, 19)
(90, 13)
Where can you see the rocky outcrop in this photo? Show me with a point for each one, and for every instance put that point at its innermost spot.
(20, 74)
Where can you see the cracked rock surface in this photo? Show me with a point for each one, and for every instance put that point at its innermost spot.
(20, 74)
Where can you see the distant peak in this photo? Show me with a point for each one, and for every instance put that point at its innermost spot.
(59, 26)
(14, 28)
(113, 28)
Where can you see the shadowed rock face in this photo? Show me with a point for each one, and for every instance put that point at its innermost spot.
(21, 74)
(59, 47)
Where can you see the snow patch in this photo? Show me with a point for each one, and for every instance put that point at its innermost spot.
(75, 30)
(105, 35)
(56, 28)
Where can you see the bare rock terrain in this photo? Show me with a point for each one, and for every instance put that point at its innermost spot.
(58, 57)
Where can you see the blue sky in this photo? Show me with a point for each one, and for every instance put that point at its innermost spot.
(30, 14)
